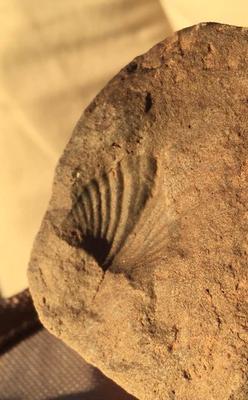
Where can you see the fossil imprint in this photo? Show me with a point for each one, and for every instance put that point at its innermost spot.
(111, 207)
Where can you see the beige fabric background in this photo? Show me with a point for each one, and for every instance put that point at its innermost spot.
(182, 13)
(54, 57)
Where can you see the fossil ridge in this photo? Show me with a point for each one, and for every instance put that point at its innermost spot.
(140, 264)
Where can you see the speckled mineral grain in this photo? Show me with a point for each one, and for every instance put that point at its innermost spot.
(141, 261)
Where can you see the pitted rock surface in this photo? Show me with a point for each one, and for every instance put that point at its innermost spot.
(141, 261)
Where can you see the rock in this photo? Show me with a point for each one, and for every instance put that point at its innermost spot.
(140, 264)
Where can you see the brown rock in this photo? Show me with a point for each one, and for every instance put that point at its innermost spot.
(141, 261)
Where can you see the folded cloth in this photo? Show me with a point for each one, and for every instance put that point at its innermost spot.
(54, 59)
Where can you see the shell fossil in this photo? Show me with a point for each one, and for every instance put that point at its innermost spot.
(109, 208)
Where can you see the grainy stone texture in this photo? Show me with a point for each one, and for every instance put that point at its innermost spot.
(141, 260)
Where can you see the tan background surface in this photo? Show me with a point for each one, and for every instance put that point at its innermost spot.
(182, 13)
(54, 57)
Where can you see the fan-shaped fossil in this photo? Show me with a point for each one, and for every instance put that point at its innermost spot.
(106, 210)
(140, 264)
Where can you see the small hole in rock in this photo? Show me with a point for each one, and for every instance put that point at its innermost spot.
(148, 102)
(186, 375)
(132, 67)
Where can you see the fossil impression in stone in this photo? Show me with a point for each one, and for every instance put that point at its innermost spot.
(108, 208)
(140, 264)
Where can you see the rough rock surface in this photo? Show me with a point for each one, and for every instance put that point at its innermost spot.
(140, 264)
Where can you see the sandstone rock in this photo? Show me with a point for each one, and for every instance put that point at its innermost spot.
(140, 264)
